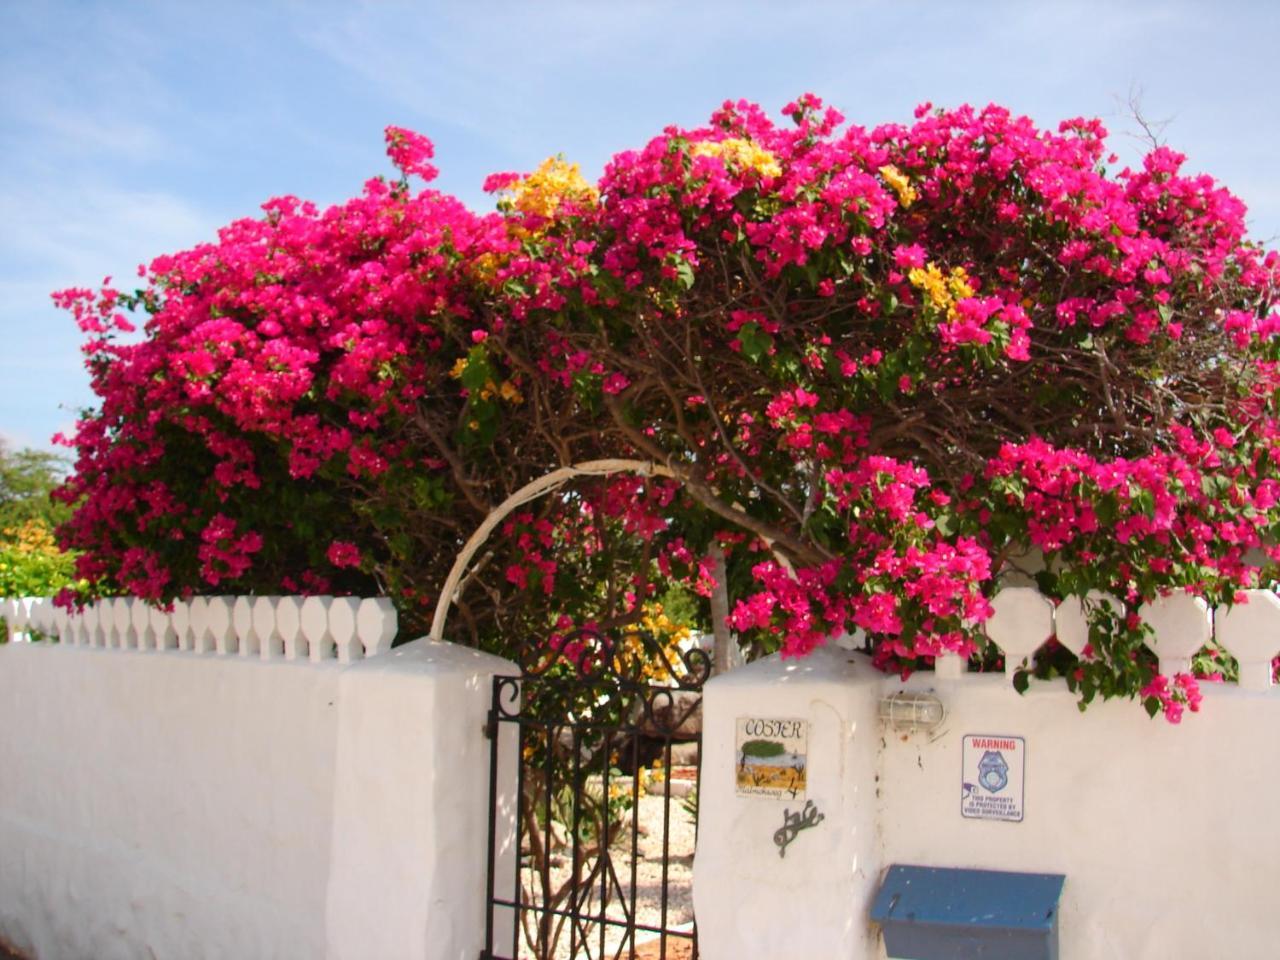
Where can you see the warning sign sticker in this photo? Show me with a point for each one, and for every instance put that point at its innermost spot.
(992, 777)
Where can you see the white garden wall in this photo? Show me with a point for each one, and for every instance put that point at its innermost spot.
(263, 778)
(1168, 835)
(173, 804)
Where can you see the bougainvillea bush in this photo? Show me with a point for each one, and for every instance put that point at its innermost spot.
(884, 366)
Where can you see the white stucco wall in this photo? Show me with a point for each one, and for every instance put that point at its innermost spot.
(165, 804)
(1168, 835)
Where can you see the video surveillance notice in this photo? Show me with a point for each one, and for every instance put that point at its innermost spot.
(992, 775)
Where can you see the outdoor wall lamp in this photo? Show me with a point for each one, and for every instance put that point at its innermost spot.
(912, 711)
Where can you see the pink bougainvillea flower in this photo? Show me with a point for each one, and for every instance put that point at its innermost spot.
(410, 152)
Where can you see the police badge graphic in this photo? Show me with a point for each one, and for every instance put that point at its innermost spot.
(993, 771)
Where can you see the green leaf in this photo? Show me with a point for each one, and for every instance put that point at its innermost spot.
(755, 343)
(685, 275)
(477, 372)
(1215, 486)
(1145, 501)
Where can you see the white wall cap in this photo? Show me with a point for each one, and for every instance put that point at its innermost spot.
(1020, 623)
(314, 620)
(342, 627)
(1071, 619)
(1250, 631)
(288, 624)
(376, 624)
(220, 624)
(1182, 624)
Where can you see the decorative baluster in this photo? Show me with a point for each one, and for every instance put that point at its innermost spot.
(9, 610)
(45, 618)
(75, 627)
(162, 631)
(181, 620)
(122, 622)
(201, 638)
(270, 646)
(93, 623)
(62, 625)
(1021, 621)
(315, 627)
(22, 619)
(950, 666)
(376, 624)
(342, 627)
(224, 637)
(1182, 625)
(242, 623)
(289, 624)
(32, 607)
(37, 618)
(140, 615)
(1251, 632)
(49, 619)
(1072, 618)
(81, 626)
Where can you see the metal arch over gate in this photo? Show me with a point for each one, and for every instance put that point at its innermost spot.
(579, 724)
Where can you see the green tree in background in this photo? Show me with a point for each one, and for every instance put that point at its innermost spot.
(30, 562)
(26, 477)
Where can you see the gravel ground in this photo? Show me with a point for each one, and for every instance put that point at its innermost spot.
(648, 888)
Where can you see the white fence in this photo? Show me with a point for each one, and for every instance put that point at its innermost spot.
(312, 628)
(1182, 625)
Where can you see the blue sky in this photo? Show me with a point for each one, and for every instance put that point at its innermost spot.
(130, 129)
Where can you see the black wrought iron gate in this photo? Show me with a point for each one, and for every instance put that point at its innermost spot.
(583, 844)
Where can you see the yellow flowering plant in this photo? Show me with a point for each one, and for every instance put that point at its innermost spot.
(31, 565)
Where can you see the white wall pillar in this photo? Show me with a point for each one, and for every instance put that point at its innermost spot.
(411, 804)
(814, 901)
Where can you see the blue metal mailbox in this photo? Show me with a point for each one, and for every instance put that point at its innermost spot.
(940, 913)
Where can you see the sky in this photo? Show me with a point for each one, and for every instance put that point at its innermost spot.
(132, 129)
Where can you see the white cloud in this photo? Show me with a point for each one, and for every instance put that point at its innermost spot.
(79, 232)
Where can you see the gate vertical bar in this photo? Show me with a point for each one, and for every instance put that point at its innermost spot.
(491, 731)
(635, 836)
(520, 805)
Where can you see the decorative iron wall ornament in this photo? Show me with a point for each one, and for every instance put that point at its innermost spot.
(793, 823)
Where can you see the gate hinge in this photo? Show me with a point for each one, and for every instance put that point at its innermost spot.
(490, 731)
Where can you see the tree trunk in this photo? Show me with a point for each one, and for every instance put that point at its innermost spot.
(720, 612)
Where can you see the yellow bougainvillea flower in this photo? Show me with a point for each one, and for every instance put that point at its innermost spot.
(740, 153)
(485, 267)
(944, 291)
(670, 637)
(961, 289)
(902, 186)
(543, 192)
